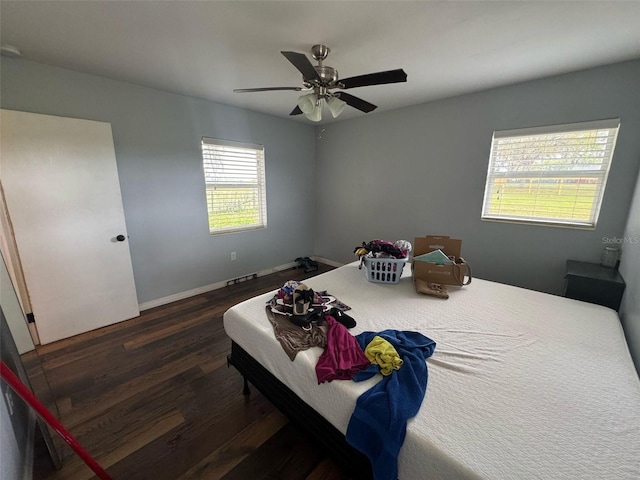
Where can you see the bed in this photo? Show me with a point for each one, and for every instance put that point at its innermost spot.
(521, 385)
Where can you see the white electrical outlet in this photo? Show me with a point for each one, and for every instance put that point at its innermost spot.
(233, 255)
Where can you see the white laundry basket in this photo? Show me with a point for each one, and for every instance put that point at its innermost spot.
(384, 270)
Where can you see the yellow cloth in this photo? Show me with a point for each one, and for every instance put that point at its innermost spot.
(382, 353)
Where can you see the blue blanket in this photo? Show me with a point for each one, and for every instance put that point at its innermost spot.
(378, 424)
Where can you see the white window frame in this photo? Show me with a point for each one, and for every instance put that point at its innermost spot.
(550, 155)
(238, 166)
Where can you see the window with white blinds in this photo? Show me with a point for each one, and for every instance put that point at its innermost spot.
(235, 185)
(552, 175)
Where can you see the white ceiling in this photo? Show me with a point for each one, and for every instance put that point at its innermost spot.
(207, 48)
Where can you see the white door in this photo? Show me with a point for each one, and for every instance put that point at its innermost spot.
(63, 196)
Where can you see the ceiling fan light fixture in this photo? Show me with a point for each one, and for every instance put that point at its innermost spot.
(316, 114)
(336, 106)
(307, 103)
(311, 106)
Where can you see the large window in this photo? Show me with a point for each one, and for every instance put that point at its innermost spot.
(235, 185)
(550, 175)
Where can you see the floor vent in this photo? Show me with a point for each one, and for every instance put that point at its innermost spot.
(242, 279)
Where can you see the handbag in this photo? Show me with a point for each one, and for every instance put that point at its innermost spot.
(461, 272)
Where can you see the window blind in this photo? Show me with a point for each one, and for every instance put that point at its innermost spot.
(235, 185)
(552, 175)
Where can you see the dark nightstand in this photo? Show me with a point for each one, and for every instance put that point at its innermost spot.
(593, 283)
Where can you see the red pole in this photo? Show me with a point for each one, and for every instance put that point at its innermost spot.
(19, 387)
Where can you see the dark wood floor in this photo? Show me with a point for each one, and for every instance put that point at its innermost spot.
(152, 398)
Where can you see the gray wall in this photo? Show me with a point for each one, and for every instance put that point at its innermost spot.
(630, 270)
(17, 421)
(422, 170)
(12, 462)
(409, 172)
(157, 142)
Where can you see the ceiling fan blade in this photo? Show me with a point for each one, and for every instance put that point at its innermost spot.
(266, 89)
(302, 63)
(356, 102)
(296, 111)
(379, 78)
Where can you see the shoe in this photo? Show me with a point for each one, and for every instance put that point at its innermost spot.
(313, 315)
(302, 299)
(342, 317)
(308, 264)
(432, 289)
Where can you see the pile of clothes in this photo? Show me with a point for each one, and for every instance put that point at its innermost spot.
(379, 421)
(382, 249)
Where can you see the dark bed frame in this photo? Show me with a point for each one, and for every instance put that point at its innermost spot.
(323, 433)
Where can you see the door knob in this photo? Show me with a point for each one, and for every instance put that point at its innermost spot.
(120, 238)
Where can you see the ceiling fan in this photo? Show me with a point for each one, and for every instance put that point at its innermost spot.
(321, 79)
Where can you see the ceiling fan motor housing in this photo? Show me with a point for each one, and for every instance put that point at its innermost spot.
(328, 75)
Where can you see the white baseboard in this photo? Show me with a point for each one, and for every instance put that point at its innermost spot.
(214, 286)
(326, 261)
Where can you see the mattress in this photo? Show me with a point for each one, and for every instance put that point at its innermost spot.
(522, 384)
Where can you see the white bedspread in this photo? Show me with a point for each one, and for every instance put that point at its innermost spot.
(522, 384)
